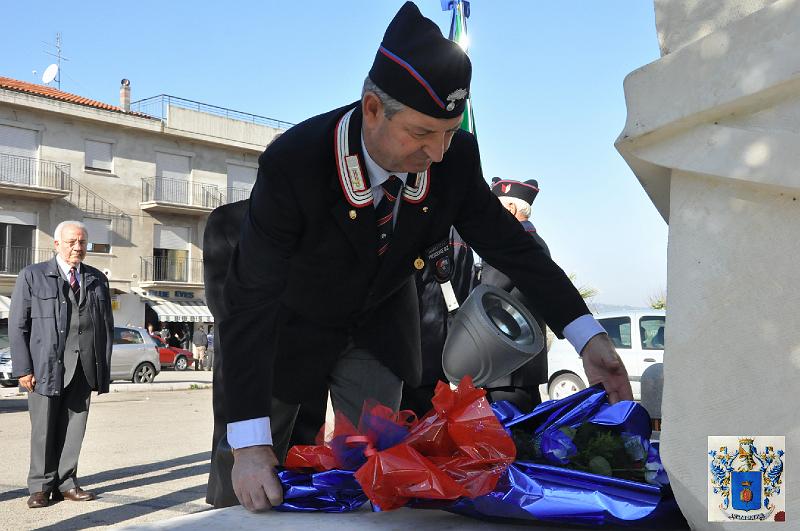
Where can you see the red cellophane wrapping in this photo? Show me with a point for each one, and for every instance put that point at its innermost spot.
(458, 449)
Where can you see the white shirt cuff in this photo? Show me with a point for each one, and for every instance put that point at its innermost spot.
(252, 432)
(580, 331)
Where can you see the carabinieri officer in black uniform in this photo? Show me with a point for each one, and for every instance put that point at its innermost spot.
(321, 285)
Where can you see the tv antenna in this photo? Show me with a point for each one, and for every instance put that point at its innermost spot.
(54, 71)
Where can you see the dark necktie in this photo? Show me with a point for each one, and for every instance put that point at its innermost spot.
(73, 282)
(385, 212)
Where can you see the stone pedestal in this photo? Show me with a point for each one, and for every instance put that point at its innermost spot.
(713, 135)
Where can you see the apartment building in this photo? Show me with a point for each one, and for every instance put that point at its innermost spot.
(143, 176)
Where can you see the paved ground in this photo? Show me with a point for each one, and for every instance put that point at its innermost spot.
(145, 453)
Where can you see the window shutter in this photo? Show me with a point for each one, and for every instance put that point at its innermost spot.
(98, 155)
(167, 237)
(99, 230)
(242, 177)
(170, 166)
(18, 141)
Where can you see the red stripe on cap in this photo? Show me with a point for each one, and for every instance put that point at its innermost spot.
(414, 74)
(515, 182)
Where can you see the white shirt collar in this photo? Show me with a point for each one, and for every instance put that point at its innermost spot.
(65, 267)
(377, 175)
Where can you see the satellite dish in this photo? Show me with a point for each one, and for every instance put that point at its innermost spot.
(50, 73)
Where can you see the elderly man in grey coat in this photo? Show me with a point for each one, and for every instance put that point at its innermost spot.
(61, 330)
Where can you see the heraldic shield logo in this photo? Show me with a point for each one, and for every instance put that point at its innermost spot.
(746, 479)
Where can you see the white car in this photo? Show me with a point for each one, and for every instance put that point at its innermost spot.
(638, 336)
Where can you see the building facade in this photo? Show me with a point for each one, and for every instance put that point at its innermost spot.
(143, 177)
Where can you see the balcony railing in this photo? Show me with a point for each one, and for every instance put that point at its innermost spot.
(181, 192)
(162, 269)
(158, 106)
(236, 194)
(14, 259)
(33, 172)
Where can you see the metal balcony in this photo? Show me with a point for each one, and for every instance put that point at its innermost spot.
(15, 259)
(34, 178)
(179, 196)
(161, 271)
(236, 194)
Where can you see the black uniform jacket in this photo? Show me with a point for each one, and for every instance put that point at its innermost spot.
(305, 275)
(534, 372)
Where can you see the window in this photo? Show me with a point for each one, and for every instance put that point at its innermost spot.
(170, 253)
(619, 330)
(240, 181)
(99, 235)
(18, 153)
(16, 245)
(98, 156)
(172, 182)
(126, 336)
(652, 330)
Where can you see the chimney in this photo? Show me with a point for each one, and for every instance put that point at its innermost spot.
(125, 95)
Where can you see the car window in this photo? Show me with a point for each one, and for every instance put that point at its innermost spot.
(126, 336)
(651, 329)
(4, 342)
(619, 330)
(158, 341)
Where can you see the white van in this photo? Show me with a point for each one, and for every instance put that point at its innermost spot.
(638, 336)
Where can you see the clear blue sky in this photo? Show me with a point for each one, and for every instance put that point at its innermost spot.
(547, 92)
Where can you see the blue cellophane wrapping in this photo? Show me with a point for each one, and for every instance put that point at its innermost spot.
(533, 491)
(333, 491)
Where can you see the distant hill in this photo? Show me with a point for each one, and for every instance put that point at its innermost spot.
(601, 308)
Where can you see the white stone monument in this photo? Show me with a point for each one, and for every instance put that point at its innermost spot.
(713, 135)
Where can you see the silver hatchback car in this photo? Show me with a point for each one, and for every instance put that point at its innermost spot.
(134, 355)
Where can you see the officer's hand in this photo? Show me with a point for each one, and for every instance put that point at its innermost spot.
(603, 365)
(254, 479)
(28, 382)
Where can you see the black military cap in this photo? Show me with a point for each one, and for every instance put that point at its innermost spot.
(419, 67)
(525, 191)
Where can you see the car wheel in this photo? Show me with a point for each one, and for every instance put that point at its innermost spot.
(9, 383)
(144, 373)
(565, 385)
(181, 364)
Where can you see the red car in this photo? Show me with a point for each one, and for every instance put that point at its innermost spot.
(178, 358)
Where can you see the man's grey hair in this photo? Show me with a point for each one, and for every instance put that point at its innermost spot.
(523, 208)
(390, 105)
(69, 223)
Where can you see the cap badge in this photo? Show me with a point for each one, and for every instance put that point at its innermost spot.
(505, 188)
(454, 96)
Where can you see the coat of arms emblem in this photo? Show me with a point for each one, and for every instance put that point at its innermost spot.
(746, 483)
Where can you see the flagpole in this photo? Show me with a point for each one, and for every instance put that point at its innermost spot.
(459, 35)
